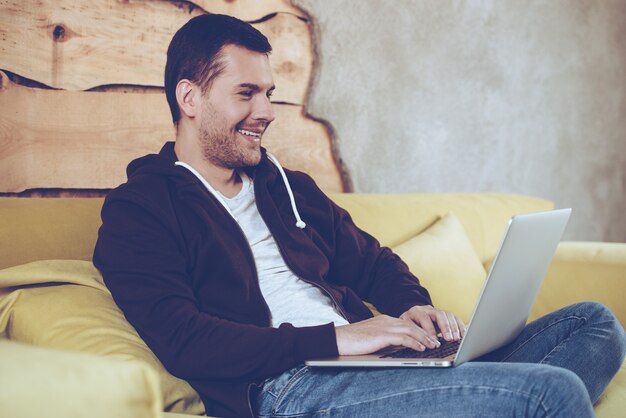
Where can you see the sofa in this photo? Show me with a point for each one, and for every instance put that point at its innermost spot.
(67, 351)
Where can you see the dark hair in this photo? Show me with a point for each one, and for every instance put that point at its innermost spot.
(194, 52)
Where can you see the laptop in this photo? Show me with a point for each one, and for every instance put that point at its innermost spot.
(503, 306)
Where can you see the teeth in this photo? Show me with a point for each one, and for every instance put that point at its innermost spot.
(249, 133)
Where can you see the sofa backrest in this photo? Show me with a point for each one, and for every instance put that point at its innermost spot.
(395, 218)
(66, 228)
(47, 228)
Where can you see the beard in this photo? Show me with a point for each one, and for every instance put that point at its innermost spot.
(221, 144)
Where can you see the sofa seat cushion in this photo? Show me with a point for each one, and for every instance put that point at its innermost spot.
(64, 304)
(443, 259)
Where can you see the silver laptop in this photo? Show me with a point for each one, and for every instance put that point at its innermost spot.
(507, 296)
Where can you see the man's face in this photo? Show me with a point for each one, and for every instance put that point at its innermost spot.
(236, 109)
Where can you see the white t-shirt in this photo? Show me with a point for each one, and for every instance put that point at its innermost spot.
(289, 298)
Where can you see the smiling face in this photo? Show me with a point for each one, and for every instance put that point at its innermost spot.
(236, 109)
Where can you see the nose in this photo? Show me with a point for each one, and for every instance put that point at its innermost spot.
(263, 109)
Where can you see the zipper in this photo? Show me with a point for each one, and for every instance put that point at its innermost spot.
(256, 274)
(249, 396)
(317, 285)
(287, 260)
(257, 287)
(290, 264)
(250, 253)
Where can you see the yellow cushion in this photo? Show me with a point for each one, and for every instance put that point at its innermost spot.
(38, 382)
(64, 304)
(443, 259)
(394, 218)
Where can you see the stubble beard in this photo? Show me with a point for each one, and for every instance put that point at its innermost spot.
(220, 144)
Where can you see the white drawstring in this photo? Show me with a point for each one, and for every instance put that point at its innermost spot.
(299, 222)
(210, 188)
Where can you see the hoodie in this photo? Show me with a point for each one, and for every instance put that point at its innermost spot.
(182, 272)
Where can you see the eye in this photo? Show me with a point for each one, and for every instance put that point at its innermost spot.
(270, 93)
(246, 93)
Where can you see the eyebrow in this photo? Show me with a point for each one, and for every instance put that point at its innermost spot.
(255, 87)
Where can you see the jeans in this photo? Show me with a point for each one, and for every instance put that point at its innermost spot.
(557, 367)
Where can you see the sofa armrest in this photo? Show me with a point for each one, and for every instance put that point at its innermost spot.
(46, 382)
(585, 271)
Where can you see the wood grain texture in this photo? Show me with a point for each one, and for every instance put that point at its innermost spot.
(248, 10)
(80, 45)
(84, 140)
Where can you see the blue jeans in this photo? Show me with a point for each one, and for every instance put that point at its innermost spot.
(557, 367)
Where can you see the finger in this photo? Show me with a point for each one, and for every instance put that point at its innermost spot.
(461, 325)
(454, 327)
(424, 320)
(414, 344)
(444, 325)
(428, 339)
(418, 334)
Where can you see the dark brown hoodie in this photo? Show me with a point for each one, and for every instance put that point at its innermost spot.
(181, 270)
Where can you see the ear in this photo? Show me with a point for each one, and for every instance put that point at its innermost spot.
(188, 98)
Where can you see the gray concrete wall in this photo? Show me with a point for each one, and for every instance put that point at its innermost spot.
(480, 95)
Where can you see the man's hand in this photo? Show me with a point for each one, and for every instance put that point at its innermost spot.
(429, 319)
(414, 329)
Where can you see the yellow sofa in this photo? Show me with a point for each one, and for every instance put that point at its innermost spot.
(448, 240)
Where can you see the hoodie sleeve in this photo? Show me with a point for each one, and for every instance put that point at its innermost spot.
(375, 273)
(143, 263)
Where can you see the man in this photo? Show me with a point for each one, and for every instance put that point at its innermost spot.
(235, 271)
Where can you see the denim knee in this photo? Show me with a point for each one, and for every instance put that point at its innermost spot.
(562, 390)
(593, 309)
(601, 314)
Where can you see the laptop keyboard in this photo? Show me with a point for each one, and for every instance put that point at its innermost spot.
(444, 350)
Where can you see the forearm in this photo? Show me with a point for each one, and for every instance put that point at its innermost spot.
(394, 289)
(192, 344)
(222, 350)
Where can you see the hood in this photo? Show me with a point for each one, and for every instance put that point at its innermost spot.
(166, 163)
(160, 164)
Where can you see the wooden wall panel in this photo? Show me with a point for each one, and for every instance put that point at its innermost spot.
(78, 45)
(54, 142)
(84, 140)
(248, 10)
